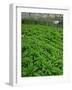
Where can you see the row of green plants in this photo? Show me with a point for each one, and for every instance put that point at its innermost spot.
(42, 22)
(42, 50)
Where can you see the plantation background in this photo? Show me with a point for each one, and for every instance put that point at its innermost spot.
(41, 18)
(42, 44)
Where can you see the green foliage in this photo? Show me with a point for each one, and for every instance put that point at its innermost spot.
(42, 50)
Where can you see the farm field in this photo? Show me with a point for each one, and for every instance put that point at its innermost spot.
(41, 50)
